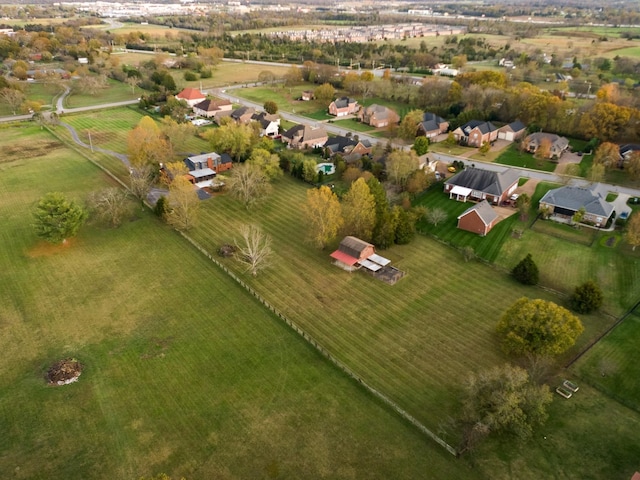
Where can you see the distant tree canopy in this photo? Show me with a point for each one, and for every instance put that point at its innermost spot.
(538, 327)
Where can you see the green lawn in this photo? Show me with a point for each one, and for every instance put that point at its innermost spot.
(553, 247)
(486, 248)
(353, 124)
(612, 366)
(185, 373)
(514, 157)
(114, 92)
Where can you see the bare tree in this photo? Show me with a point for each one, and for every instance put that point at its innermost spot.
(248, 183)
(12, 98)
(436, 215)
(140, 180)
(254, 251)
(109, 205)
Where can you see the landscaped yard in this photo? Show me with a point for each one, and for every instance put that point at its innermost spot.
(516, 158)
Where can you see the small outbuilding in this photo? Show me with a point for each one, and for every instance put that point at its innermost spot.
(479, 218)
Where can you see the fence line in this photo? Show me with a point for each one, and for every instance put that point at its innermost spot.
(325, 353)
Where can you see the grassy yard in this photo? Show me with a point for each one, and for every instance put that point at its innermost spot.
(111, 131)
(185, 373)
(486, 248)
(354, 125)
(513, 157)
(457, 150)
(553, 247)
(612, 366)
(114, 92)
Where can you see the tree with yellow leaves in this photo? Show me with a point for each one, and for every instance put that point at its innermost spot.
(323, 215)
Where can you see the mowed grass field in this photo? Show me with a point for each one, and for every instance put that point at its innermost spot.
(185, 373)
(417, 340)
(113, 92)
(612, 366)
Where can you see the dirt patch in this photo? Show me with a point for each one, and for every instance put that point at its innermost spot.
(45, 249)
(157, 348)
(31, 149)
(97, 138)
(64, 372)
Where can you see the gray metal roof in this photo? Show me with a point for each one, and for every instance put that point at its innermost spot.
(574, 198)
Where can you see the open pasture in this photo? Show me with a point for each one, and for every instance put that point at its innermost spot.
(184, 372)
(229, 73)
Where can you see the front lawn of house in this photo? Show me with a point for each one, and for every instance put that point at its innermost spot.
(514, 157)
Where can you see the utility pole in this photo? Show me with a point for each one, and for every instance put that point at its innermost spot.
(90, 142)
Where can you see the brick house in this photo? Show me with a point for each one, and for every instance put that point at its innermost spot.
(343, 106)
(480, 218)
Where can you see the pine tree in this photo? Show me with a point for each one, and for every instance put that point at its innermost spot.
(526, 272)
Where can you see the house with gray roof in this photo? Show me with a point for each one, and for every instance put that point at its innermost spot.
(563, 203)
(378, 116)
(480, 218)
(475, 133)
(627, 150)
(305, 136)
(349, 147)
(513, 131)
(476, 184)
(343, 106)
(432, 125)
(269, 124)
(243, 114)
(555, 144)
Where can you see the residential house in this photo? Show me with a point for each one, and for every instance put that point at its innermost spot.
(627, 150)
(217, 163)
(475, 133)
(343, 106)
(305, 136)
(378, 116)
(191, 96)
(306, 96)
(349, 147)
(563, 203)
(269, 124)
(477, 184)
(243, 114)
(480, 218)
(432, 125)
(513, 131)
(210, 107)
(555, 143)
(353, 253)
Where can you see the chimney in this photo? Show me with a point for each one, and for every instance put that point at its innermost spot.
(210, 163)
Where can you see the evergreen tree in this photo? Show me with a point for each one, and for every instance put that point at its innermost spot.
(526, 272)
(587, 297)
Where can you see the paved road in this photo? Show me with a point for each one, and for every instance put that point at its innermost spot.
(120, 156)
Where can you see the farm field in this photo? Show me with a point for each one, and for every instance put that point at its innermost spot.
(229, 73)
(185, 373)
